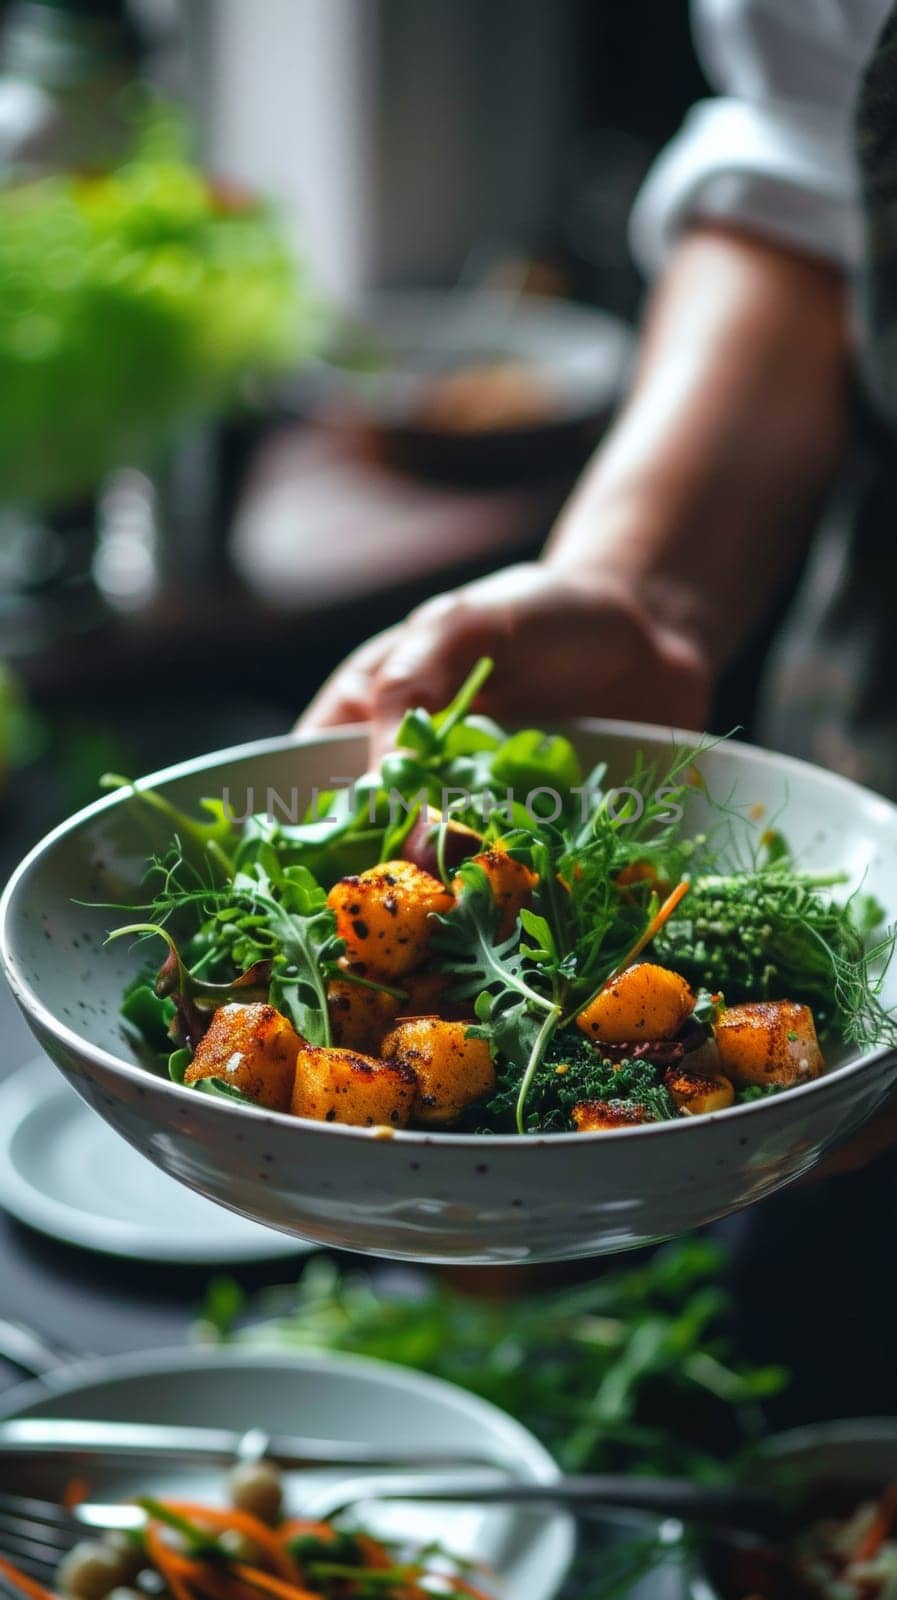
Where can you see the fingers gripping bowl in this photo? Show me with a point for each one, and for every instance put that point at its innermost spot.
(428, 1191)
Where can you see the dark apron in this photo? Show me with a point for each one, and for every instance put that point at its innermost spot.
(830, 690)
(814, 1269)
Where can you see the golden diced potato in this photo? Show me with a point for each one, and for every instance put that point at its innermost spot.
(359, 1016)
(426, 996)
(768, 1042)
(512, 883)
(644, 1002)
(451, 1069)
(385, 916)
(331, 1085)
(636, 873)
(704, 1060)
(694, 1093)
(424, 993)
(597, 1116)
(253, 1048)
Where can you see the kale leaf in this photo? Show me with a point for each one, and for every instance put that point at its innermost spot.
(572, 1071)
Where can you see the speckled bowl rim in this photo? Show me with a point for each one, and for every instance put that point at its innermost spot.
(69, 1038)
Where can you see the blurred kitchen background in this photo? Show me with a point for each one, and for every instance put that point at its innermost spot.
(308, 309)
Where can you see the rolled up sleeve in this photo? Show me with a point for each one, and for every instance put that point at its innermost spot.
(774, 152)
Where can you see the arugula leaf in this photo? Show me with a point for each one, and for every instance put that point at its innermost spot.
(215, 838)
(179, 1061)
(301, 928)
(466, 946)
(531, 760)
(148, 1013)
(433, 732)
(517, 1019)
(653, 1342)
(275, 920)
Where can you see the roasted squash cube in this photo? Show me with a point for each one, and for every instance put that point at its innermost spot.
(599, 1116)
(512, 883)
(332, 1085)
(385, 916)
(253, 1048)
(452, 1069)
(426, 996)
(694, 1093)
(359, 1015)
(643, 1002)
(768, 1042)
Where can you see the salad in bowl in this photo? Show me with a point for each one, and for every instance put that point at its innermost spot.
(515, 996)
(483, 937)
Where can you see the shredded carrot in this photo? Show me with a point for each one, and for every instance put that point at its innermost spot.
(661, 916)
(215, 1584)
(373, 1552)
(272, 1586)
(182, 1566)
(75, 1493)
(636, 872)
(297, 1526)
(220, 1584)
(34, 1591)
(883, 1522)
(241, 1522)
(169, 1563)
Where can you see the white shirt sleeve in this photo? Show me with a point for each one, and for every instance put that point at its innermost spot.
(774, 152)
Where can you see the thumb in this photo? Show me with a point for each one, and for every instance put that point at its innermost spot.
(423, 668)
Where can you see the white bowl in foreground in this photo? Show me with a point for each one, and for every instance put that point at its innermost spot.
(428, 1195)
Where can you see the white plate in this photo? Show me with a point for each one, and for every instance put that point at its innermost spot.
(65, 1172)
(337, 1397)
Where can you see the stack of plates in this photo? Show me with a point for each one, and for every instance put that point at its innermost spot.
(65, 1172)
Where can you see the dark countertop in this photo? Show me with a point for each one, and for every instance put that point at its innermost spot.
(89, 1302)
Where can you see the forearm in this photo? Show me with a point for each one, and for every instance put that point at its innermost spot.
(705, 491)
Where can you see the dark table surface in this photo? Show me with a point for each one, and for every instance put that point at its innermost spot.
(90, 1302)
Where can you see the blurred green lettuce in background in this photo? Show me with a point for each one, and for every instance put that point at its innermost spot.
(131, 301)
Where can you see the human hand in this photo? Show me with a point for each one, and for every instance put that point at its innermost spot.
(877, 1138)
(564, 644)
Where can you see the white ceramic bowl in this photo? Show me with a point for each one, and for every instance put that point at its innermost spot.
(321, 1396)
(427, 1195)
(581, 353)
(860, 1453)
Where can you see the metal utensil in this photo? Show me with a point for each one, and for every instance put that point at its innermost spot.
(37, 1533)
(732, 1507)
(30, 1351)
(216, 1447)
